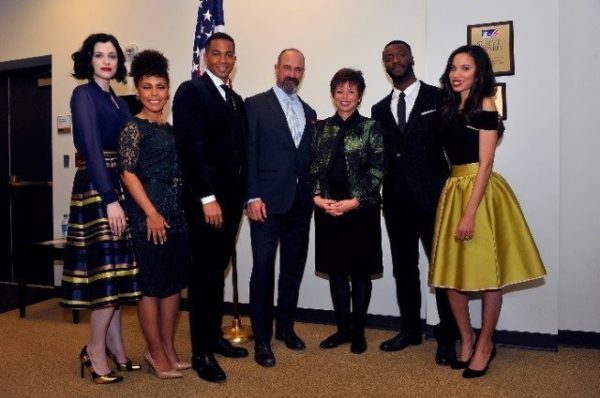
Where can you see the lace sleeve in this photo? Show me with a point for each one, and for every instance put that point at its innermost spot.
(86, 134)
(129, 146)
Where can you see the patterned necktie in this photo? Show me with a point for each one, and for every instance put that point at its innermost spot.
(293, 122)
(228, 96)
(402, 111)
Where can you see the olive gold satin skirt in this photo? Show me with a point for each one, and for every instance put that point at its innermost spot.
(502, 251)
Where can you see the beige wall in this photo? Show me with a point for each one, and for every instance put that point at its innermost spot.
(337, 33)
(332, 34)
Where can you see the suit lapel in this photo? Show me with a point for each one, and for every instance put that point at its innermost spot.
(389, 116)
(308, 125)
(420, 103)
(214, 91)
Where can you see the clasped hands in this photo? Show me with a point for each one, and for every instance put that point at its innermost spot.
(335, 208)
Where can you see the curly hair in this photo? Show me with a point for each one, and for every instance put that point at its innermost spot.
(82, 58)
(346, 75)
(484, 84)
(149, 63)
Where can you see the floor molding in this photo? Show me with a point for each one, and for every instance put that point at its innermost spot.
(529, 340)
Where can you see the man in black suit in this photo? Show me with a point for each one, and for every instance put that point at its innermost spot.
(279, 202)
(415, 172)
(209, 124)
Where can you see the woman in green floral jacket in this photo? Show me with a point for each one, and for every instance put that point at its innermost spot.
(346, 173)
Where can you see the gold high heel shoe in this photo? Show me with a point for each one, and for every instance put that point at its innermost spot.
(123, 367)
(86, 362)
(167, 374)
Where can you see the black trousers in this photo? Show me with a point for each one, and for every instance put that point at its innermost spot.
(350, 319)
(290, 232)
(407, 224)
(211, 253)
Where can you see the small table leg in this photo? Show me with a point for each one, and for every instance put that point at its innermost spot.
(20, 263)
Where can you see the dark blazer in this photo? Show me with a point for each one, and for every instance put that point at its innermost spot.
(212, 141)
(275, 166)
(415, 163)
(363, 149)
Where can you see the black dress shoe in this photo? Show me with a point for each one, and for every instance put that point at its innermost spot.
(208, 368)
(469, 373)
(359, 344)
(263, 355)
(228, 350)
(400, 341)
(446, 354)
(291, 340)
(336, 339)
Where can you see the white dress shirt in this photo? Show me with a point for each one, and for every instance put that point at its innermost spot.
(411, 94)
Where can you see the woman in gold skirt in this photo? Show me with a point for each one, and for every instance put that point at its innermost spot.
(481, 241)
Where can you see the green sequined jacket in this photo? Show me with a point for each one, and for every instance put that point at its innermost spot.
(363, 146)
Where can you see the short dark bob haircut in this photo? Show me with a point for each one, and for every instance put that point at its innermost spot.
(82, 58)
(346, 75)
(219, 36)
(149, 63)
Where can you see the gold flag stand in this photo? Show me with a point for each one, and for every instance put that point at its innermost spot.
(236, 333)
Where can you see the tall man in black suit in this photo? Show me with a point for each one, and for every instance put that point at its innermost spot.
(279, 204)
(416, 169)
(210, 128)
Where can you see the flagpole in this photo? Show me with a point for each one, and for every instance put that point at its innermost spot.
(236, 333)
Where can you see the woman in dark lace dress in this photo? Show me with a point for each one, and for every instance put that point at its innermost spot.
(99, 271)
(346, 173)
(151, 173)
(481, 242)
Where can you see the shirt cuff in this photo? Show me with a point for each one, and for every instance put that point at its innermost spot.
(253, 200)
(109, 196)
(208, 199)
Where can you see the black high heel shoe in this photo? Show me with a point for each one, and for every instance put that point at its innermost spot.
(86, 363)
(458, 364)
(123, 367)
(471, 374)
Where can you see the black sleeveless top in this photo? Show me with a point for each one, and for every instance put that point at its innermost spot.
(461, 136)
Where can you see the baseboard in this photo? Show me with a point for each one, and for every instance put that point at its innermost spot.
(536, 341)
(579, 339)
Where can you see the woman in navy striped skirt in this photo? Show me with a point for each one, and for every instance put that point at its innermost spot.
(99, 271)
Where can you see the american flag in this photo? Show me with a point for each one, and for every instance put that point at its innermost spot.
(210, 20)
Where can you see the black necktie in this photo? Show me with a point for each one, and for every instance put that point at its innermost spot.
(402, 111)
(229, 97)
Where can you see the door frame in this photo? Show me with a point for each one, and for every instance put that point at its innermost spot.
(7, 67)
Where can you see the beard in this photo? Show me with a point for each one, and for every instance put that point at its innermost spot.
(289, 85)
(397, 78)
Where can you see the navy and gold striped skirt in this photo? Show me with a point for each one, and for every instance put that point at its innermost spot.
(99, 268)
